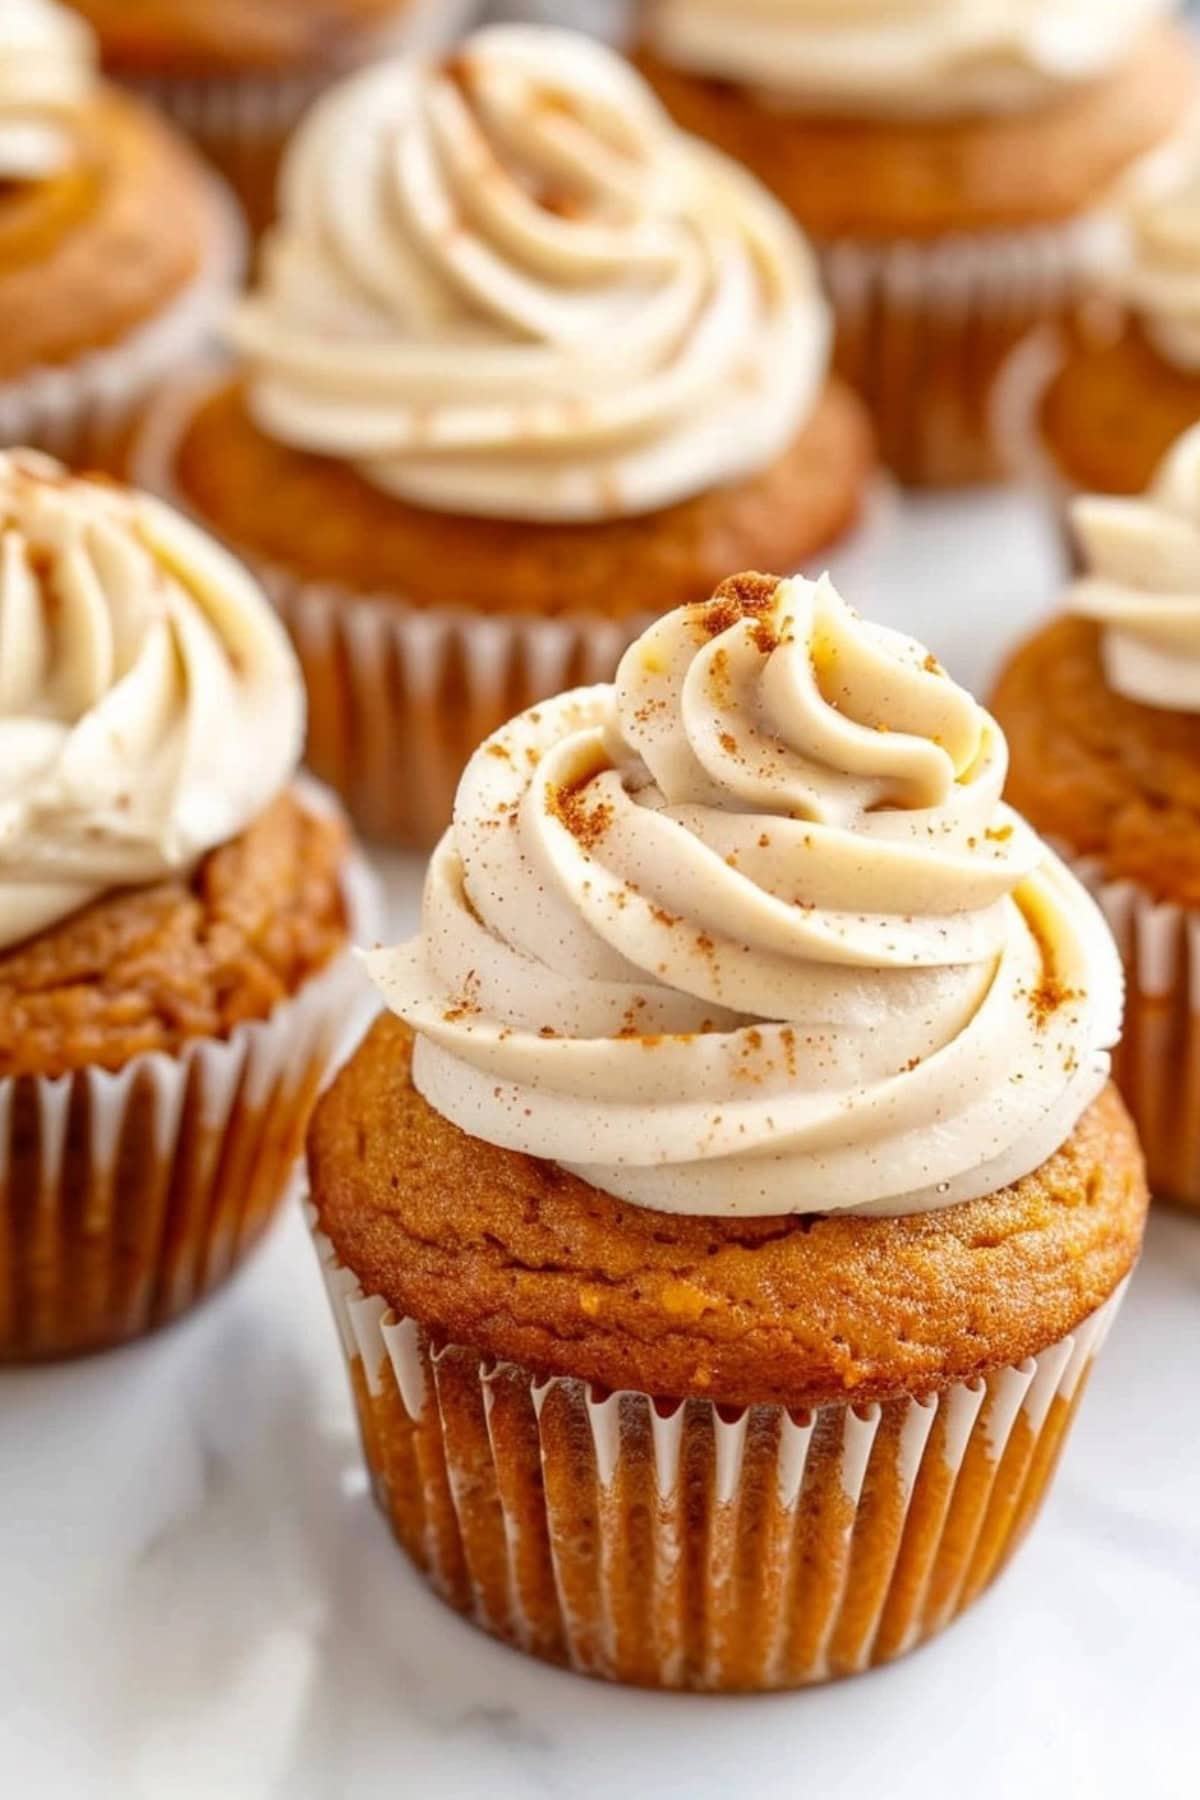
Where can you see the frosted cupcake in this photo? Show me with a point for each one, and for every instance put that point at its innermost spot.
(174, 914)
(947, 158)
(117, 247)
(721, 1235)
(1102, 707)
(1096, 404)
(523, 363)
(238, 75)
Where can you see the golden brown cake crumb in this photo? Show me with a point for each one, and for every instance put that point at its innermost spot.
(323, 521)
(228, 37)
(88, 256)
(524, 1262)
(1114, 408)
(151, 968)
(1102, 774)
(888, 178)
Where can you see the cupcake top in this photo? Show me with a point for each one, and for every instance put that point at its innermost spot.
(1156, 265)
(902, 57)
(506, 285)
(751, 931)
(150, 704)
(47, 75)
(1142, 582)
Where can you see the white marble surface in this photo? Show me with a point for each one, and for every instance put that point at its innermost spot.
(197, 1598)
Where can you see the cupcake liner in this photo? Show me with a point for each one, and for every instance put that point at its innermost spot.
(126, 1197)
(79, 411)
(923, 330)
(1016, 414)
(399, 696)
(242, 123)
(680, 1544)
(1157, 1064)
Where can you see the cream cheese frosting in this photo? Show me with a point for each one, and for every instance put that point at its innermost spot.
(751, 931)
(47, 72)
(506, 285)
(1155, 264)
(902, 57)
(1142, 582)
(150, 703)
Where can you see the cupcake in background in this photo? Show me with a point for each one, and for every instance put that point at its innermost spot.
(117, 246)
(721, 1235)
(1102, 710)
(238, 75)
(524, 364)
(946, 157)
(174, 914)
(1094, 405)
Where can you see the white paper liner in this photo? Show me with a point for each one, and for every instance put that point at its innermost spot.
(398, 695)
(149, 1184)
(1157, 1064)
(924, 329)
(77, 410)
(220, 112)
(685, 1545)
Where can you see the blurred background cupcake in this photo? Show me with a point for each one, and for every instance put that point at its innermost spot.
(117, 246)
(1094, 405)
(524, 365)
(946, 157)
(721, 1263)
(1102, 711)
(237, 75)
(174, 914)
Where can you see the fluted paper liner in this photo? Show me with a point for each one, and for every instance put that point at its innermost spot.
(679, 1544)
(126, 1197)
(243, 122)
(924, 329)
(79, 410)
(1157, 1064)
(400, 696)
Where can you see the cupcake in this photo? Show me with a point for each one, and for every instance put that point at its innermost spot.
(116, 244)
(722, 1231)
(523, 360)
(946, 156)
(174, 914)
(1095, 404)
(1102, 708)
(237, 75)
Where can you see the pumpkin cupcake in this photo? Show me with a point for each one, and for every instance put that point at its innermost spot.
(722, 1234)
(174, 914)
(523, 362)
(238, 75)
(1102, 708)
(1095, 404)
(946, 157)
(117, 247)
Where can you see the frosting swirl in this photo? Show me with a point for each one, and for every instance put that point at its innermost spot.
(751, 932)
(1142, 584)
(902, 57)
(150, 704)
(1156, 258)
(507, 286)
(47, 70)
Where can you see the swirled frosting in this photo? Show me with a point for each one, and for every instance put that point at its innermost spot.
(47, 70)
(751, 932)
(1142, 582)
(507, 285)
(1155, 265)
(901, 57)
(150, 704)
